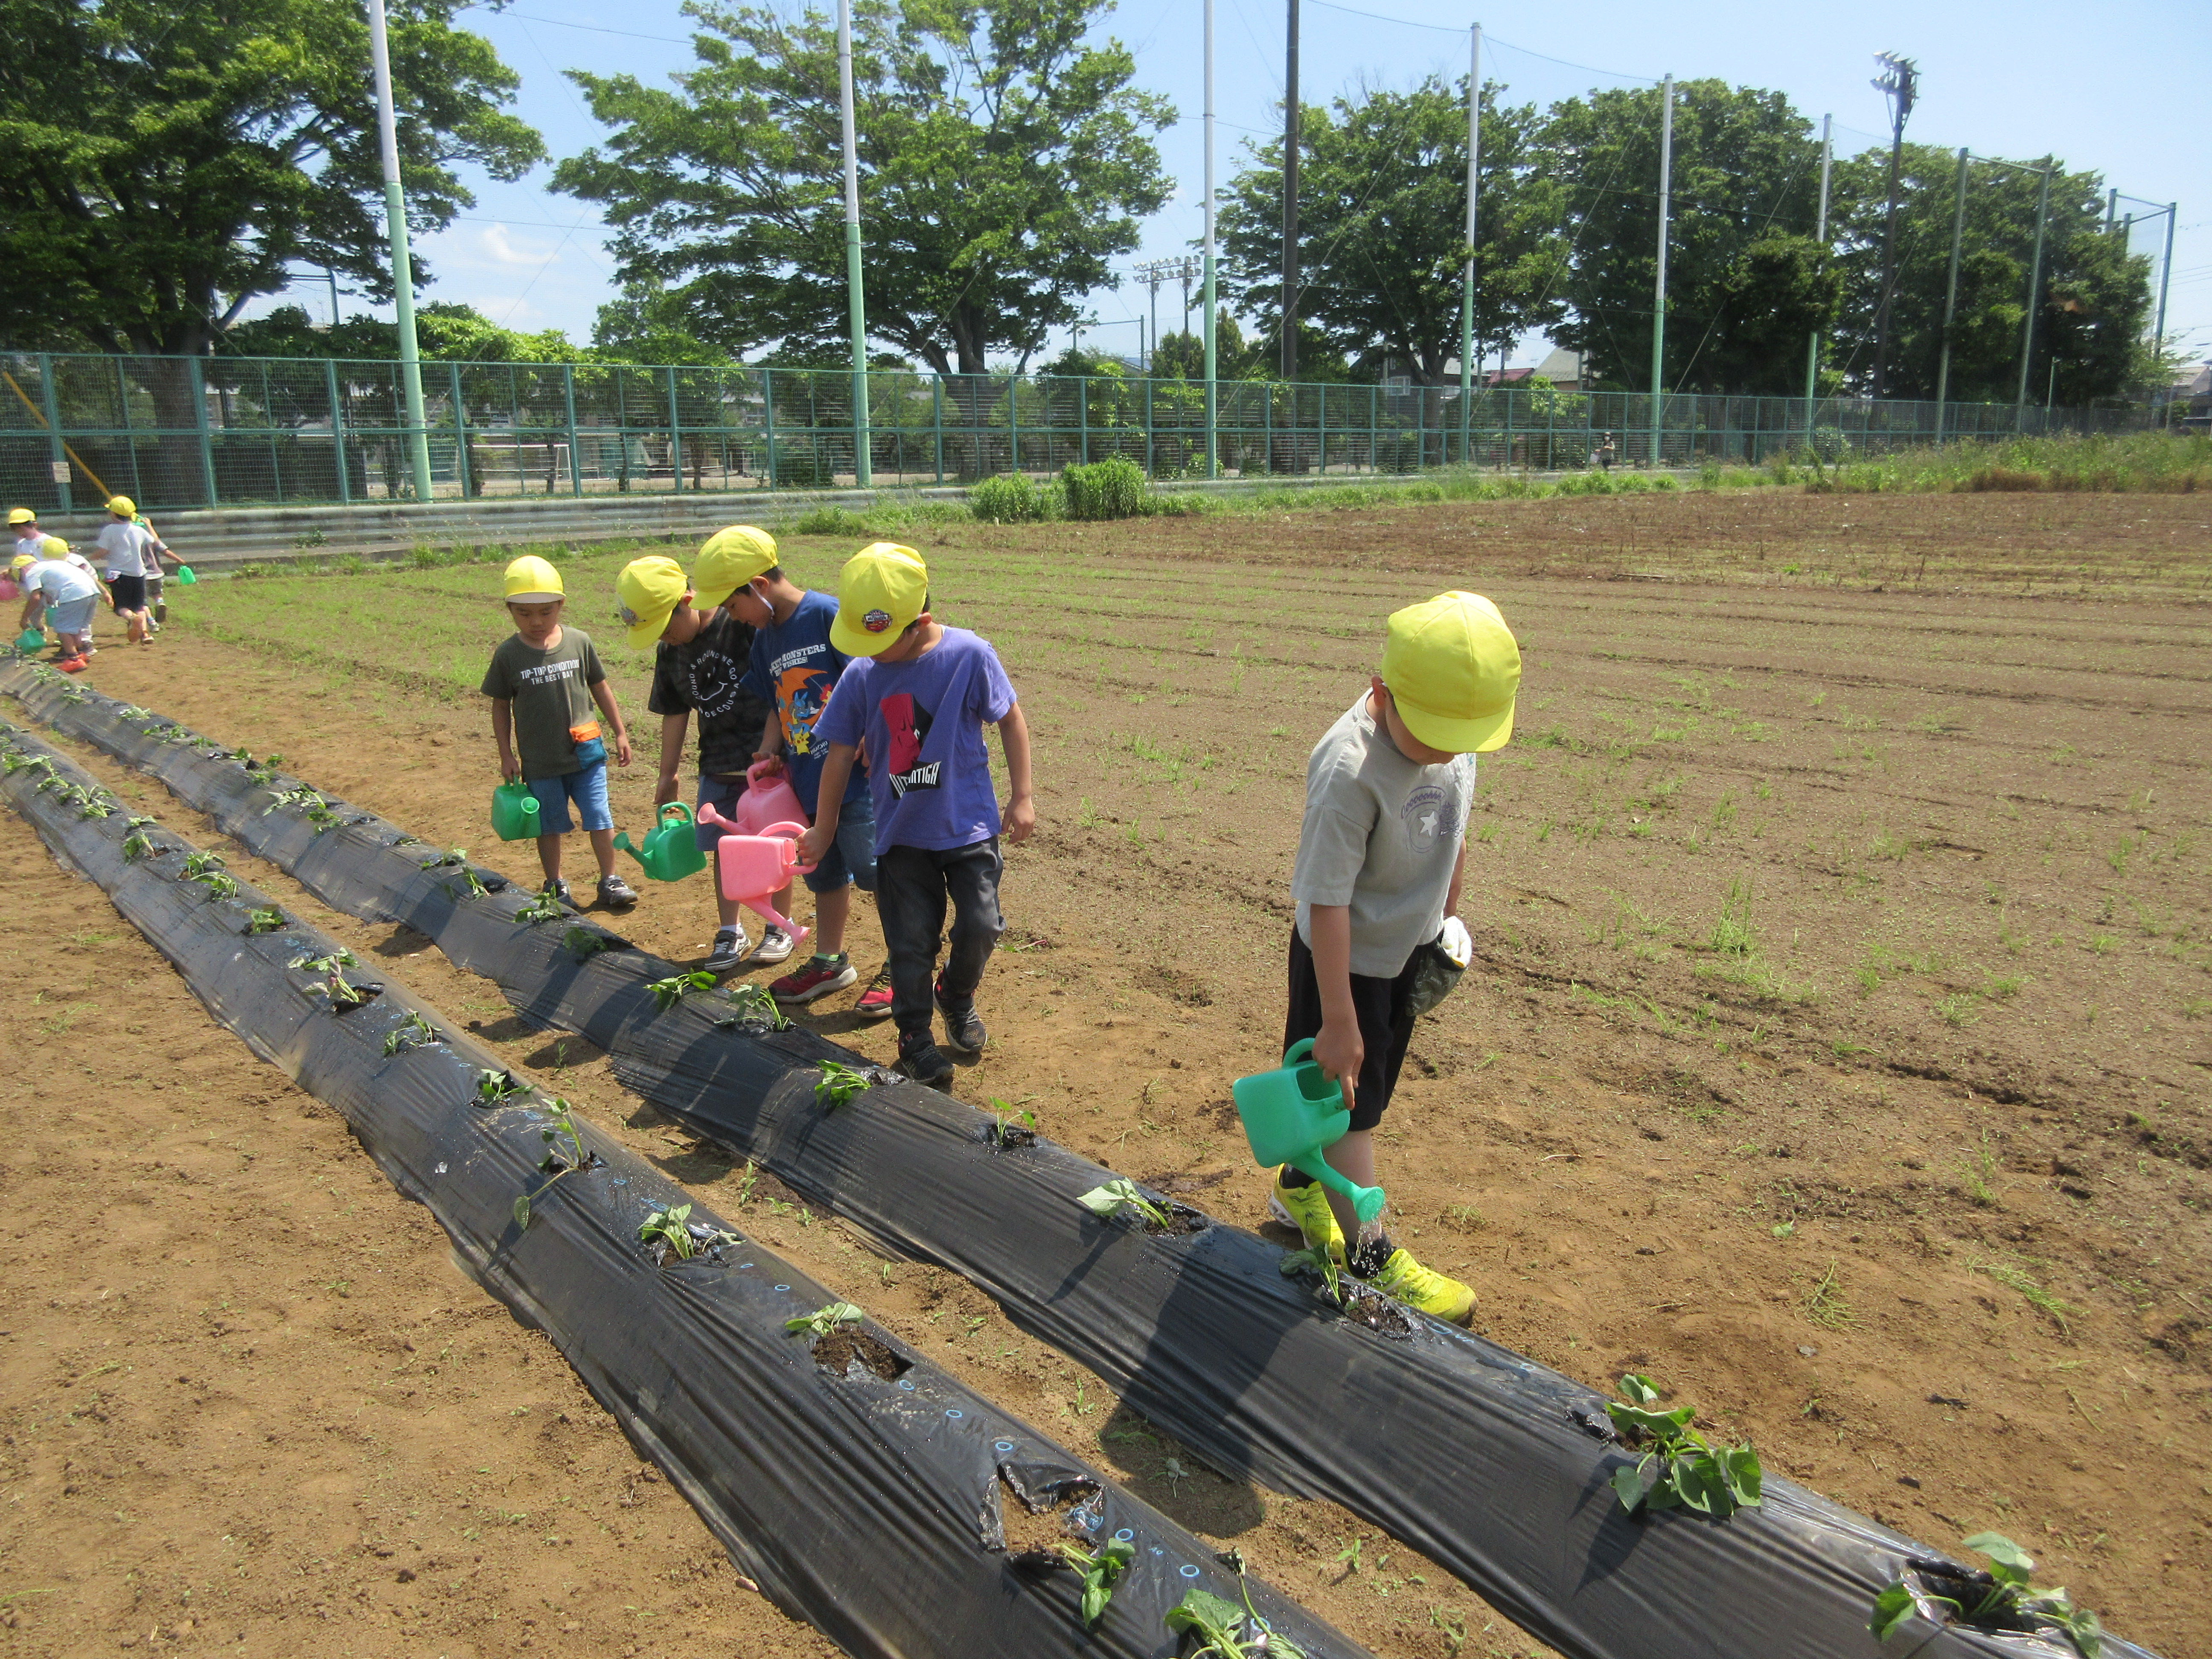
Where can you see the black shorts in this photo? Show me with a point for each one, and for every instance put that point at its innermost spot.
(126, 593)
(1386, 1026)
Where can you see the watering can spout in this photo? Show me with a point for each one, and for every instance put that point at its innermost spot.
(622, 844)
(1292, 1115)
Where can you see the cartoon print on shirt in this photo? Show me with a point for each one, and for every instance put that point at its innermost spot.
(801, 692)
(909, 724)
(1430, 814)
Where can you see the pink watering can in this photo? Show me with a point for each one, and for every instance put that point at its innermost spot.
(752, 868)
(767, 800)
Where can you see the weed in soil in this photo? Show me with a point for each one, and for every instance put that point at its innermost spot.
(1679, 1467)
(2004, 1598)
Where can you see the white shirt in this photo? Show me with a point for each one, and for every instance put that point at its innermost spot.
(60, 580)
(125, 544)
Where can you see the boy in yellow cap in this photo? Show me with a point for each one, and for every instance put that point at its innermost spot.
(698, 665)
(128, 547)
(919, 693)
(543, 681)
(1381, 855)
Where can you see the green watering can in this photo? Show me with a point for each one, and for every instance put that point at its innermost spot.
(185, 575)
(514, 812)
(30, 641)
(670, 851)
(1292, 1114)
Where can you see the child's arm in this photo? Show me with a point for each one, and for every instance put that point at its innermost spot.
(502, 733)
(671, 755)
(604, 694)
(1339, 1051)
(772, 742)
(1019, 814)
(829, 803)
(1459, 875)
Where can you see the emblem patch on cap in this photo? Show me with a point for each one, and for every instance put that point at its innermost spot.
(876, 621)
(627, 616)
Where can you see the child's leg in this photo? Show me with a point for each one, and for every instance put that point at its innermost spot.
(603, 849)
(832, 910)
(588, 789)
(910, 900)
(549, 855)
(971, 876)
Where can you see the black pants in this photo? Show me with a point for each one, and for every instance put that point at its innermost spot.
(912, 886)
(1386, 1026)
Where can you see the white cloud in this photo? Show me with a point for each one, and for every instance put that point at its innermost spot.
(498, 243)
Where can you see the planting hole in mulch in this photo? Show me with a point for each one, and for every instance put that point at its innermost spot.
(838, 1351)
(1034, 1535)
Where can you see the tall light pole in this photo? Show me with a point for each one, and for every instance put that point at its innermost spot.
(1290, 194)
(2034, 284)
(1466, 269)
(2165, 271)
(1659, 294)
(1900, 82)
(1951, 296)
(863, 470)
(403, 275)
(1819, 236)
(1212, 458)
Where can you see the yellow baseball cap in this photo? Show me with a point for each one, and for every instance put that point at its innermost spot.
(22, 561)
(730, 559)
(1453, 668)
(123, 505)
(883, 588)
(21, 515)
(531, 580)
(54, 547)
(646, 595)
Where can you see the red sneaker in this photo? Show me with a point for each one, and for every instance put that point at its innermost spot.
(817, 979)
(875, 1002)
(71, 664)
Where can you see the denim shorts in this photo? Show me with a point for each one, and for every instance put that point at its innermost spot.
(74, 617)
(587, 788)
(852, 854)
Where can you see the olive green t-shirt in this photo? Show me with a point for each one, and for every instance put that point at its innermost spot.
(550, 691)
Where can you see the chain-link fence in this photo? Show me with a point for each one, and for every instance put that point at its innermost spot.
(233, 431)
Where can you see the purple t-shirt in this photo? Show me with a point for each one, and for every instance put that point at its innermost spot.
(923, 721)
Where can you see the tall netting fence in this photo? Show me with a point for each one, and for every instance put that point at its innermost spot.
(234, 431)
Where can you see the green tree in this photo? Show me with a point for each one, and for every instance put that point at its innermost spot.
(161, 164)
(1003, 159)
(1182, 356)
(1383, 226)
(644, 323)
(444, 331)
(1744, 278)
(2095, 300)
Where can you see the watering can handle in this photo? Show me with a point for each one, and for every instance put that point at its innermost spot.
(753, 773)
(675, 806)
(1302, 1050)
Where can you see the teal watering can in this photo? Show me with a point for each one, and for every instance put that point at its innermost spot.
(30, 641)
(185, 574)
(670, 851)
(514, 812)
(1292, 1114)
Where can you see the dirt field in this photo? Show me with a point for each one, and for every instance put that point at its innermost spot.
(1838, 1053)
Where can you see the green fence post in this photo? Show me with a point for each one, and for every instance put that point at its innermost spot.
(1151, 460)
(1320, 430)
(768, 417)
(937, 423)
(675, 439)
(207, 443)
(568, 403)
(1082, 416)
(461, 471)
(1374, 402)
(337, 432)
(57, 455)
(1014, 423)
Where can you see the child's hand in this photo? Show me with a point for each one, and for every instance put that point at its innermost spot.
(770, 761)
(1018, 816)
(813, 844)
(667, 790)
(622, 749)
(1340, 1051)
(509, 768)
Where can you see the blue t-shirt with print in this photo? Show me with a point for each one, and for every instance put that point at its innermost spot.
(795, 666)
(923, 721)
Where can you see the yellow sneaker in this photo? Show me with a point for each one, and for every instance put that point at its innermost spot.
(1423, 1288)
(1307, 1209)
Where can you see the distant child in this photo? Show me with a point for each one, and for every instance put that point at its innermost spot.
(35, 543)
(543, 682)
(920, 694)
(1381, 855)
(794, 663)
(71, 594)
(128, 547)
(696, 669)
(23, 526)
(156, 550)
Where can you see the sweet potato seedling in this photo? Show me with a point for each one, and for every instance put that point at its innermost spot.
(564, 1155)
(1679, 1469)
(582, 943)
(2003, 1595)
(673, 1227)
(221, 885)
(753, 1005)
(838, 1084)
(1221, 1628)
(263, 921)
(824, 1320)
(1011, 1127)
(496, 1088)
(456, 857)
(543, 908)
(333, 967)
(412, 1032)
(1100, 1569)
(668, 992)
(1120, 1194)
(197, 864)
(1320, 1263)
(137, 844)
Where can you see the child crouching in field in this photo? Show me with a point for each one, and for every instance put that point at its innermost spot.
(543, 682)
(919, 693)
(1381, 856)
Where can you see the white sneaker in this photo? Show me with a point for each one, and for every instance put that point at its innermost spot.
(728, 952)
(775, 947)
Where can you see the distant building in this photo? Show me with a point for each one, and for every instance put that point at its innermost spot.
(1563, 369)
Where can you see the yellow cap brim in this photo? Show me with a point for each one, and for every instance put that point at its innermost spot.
(856, 641)
(536, 599)
(1460, 736)
(647, 633)
(706, 600)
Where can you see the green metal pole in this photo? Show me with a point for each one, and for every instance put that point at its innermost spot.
(569, 404)
(767, 415)
(207, 443)
(863, 461)
(57, 454)
(402, 278)
(1951, 296)
(2034, 291)
(1659, 297)
(937, 423)
(675, 439)
(1466, 269)
(337, 430)
(461, 469)
(1212, 412)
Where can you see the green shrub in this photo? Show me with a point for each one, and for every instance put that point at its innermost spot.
(805, 463)
(1111, 488)
(1011, 498)
(832, 521)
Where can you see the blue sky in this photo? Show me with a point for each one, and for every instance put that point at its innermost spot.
(2120, 86)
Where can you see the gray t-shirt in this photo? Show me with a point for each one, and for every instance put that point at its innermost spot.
(550, 691)
(1381, 834)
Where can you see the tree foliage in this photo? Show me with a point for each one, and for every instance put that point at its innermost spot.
(1383, 226)
(1003, 159)
(161, 164)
